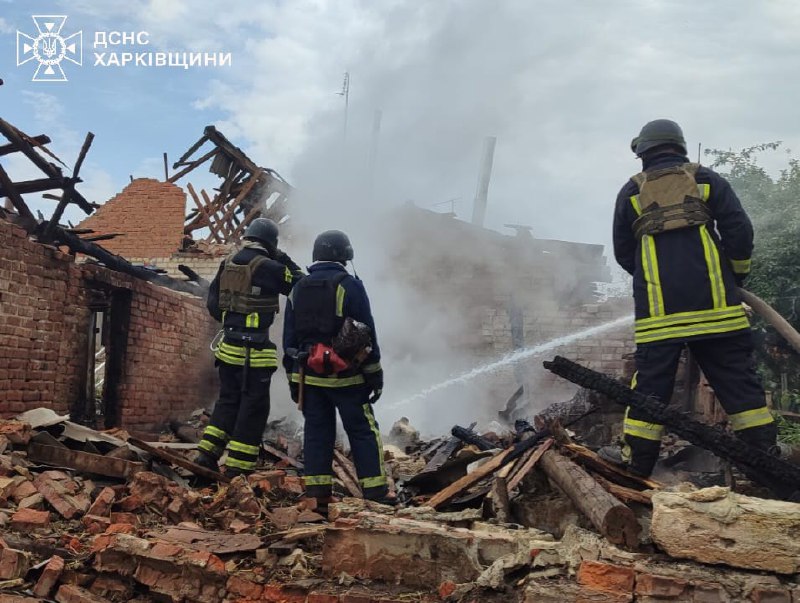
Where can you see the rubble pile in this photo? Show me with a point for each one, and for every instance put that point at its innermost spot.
(101, 516)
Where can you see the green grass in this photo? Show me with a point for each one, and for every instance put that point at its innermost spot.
(788, 431)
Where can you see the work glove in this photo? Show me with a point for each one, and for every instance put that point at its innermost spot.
(283, 257)
(375, 383)
(294, 391)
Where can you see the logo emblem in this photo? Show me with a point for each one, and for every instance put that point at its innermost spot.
(49, 48)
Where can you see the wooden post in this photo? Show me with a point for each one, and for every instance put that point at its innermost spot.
(166, 168)
(612, 519)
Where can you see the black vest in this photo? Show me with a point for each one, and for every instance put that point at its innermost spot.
(314, 303)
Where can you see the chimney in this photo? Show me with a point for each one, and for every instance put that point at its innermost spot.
(481, 194)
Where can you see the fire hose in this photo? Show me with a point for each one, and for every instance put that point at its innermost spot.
(766, 312)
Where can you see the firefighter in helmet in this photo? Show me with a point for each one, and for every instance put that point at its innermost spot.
(322, 305)
(244, 297)
(681, 232)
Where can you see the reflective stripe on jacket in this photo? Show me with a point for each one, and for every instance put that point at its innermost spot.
(683, 280)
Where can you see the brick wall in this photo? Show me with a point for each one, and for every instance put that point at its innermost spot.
(167, 368)
(148, 213)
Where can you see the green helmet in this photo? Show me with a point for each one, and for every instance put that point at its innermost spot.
(656, 133)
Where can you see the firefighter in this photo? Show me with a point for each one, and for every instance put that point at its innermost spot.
(317, 309)
(244, 297)
(681, 232)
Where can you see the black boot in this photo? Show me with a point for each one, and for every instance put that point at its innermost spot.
(207, 461)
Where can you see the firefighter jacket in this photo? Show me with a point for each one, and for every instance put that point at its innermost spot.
(685, 280)
(250, 332)
(349, 300)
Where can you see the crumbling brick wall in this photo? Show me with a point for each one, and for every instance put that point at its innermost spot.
(149, 215)
(167, 369)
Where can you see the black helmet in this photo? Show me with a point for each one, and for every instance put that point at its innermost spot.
(263, 230)
(656, 133)
(332, 246)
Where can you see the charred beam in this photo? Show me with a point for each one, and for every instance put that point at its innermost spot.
(780, 476)
(178, 175)
(120, 264)
(7, 149)
(14, 137)
(16, 200)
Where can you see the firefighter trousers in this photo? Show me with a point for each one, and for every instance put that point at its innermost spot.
(728, 364)
(239, 416)
(319, 409)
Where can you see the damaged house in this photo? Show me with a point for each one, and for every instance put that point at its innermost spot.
(103, 344)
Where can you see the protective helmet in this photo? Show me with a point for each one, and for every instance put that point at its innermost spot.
(264, 231)
(332, 246)
(656, 133)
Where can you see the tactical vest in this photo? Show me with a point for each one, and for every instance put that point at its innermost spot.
(236, 290)
(670, 199)
(314, 302)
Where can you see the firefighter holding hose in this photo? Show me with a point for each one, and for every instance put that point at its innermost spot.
(244, 297)
(681, 232)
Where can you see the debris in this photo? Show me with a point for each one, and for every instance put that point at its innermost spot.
(83, 461)
(218, 543)
(470, 479)
(178, 461)
(49, 578)
(16, 432)
(728, 528)
(775, 473)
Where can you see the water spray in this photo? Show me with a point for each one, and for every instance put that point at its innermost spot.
(515, 357)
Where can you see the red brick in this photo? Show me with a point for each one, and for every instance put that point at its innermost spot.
(60, 494)
(446, 589)
(120, 528)
(660, 586)
(49, 578)
(23, 490)
(95, 524)
(17, 432)
(322, 598)
(70, 593)
(112, 587)
(13, 564)
(606, 577)
(29, 519)
(131, 503)
(709, 592)
(102, 504)
(244, 588)
(5, 598)
(770, 595)
(277, 593)
(129, 518)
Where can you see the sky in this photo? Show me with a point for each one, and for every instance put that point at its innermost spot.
(563, 85)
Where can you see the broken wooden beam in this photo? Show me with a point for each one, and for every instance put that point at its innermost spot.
(608, 515)
(15, 137)
(178, 461)
(86, 462)
(346, 472)
(281, 456)
(528, 464)
(194, 164)
(16, 200)
(626, 495)
(596, 463)
(27, 187)
(7, 149)
(120, 264)
(450, 492)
